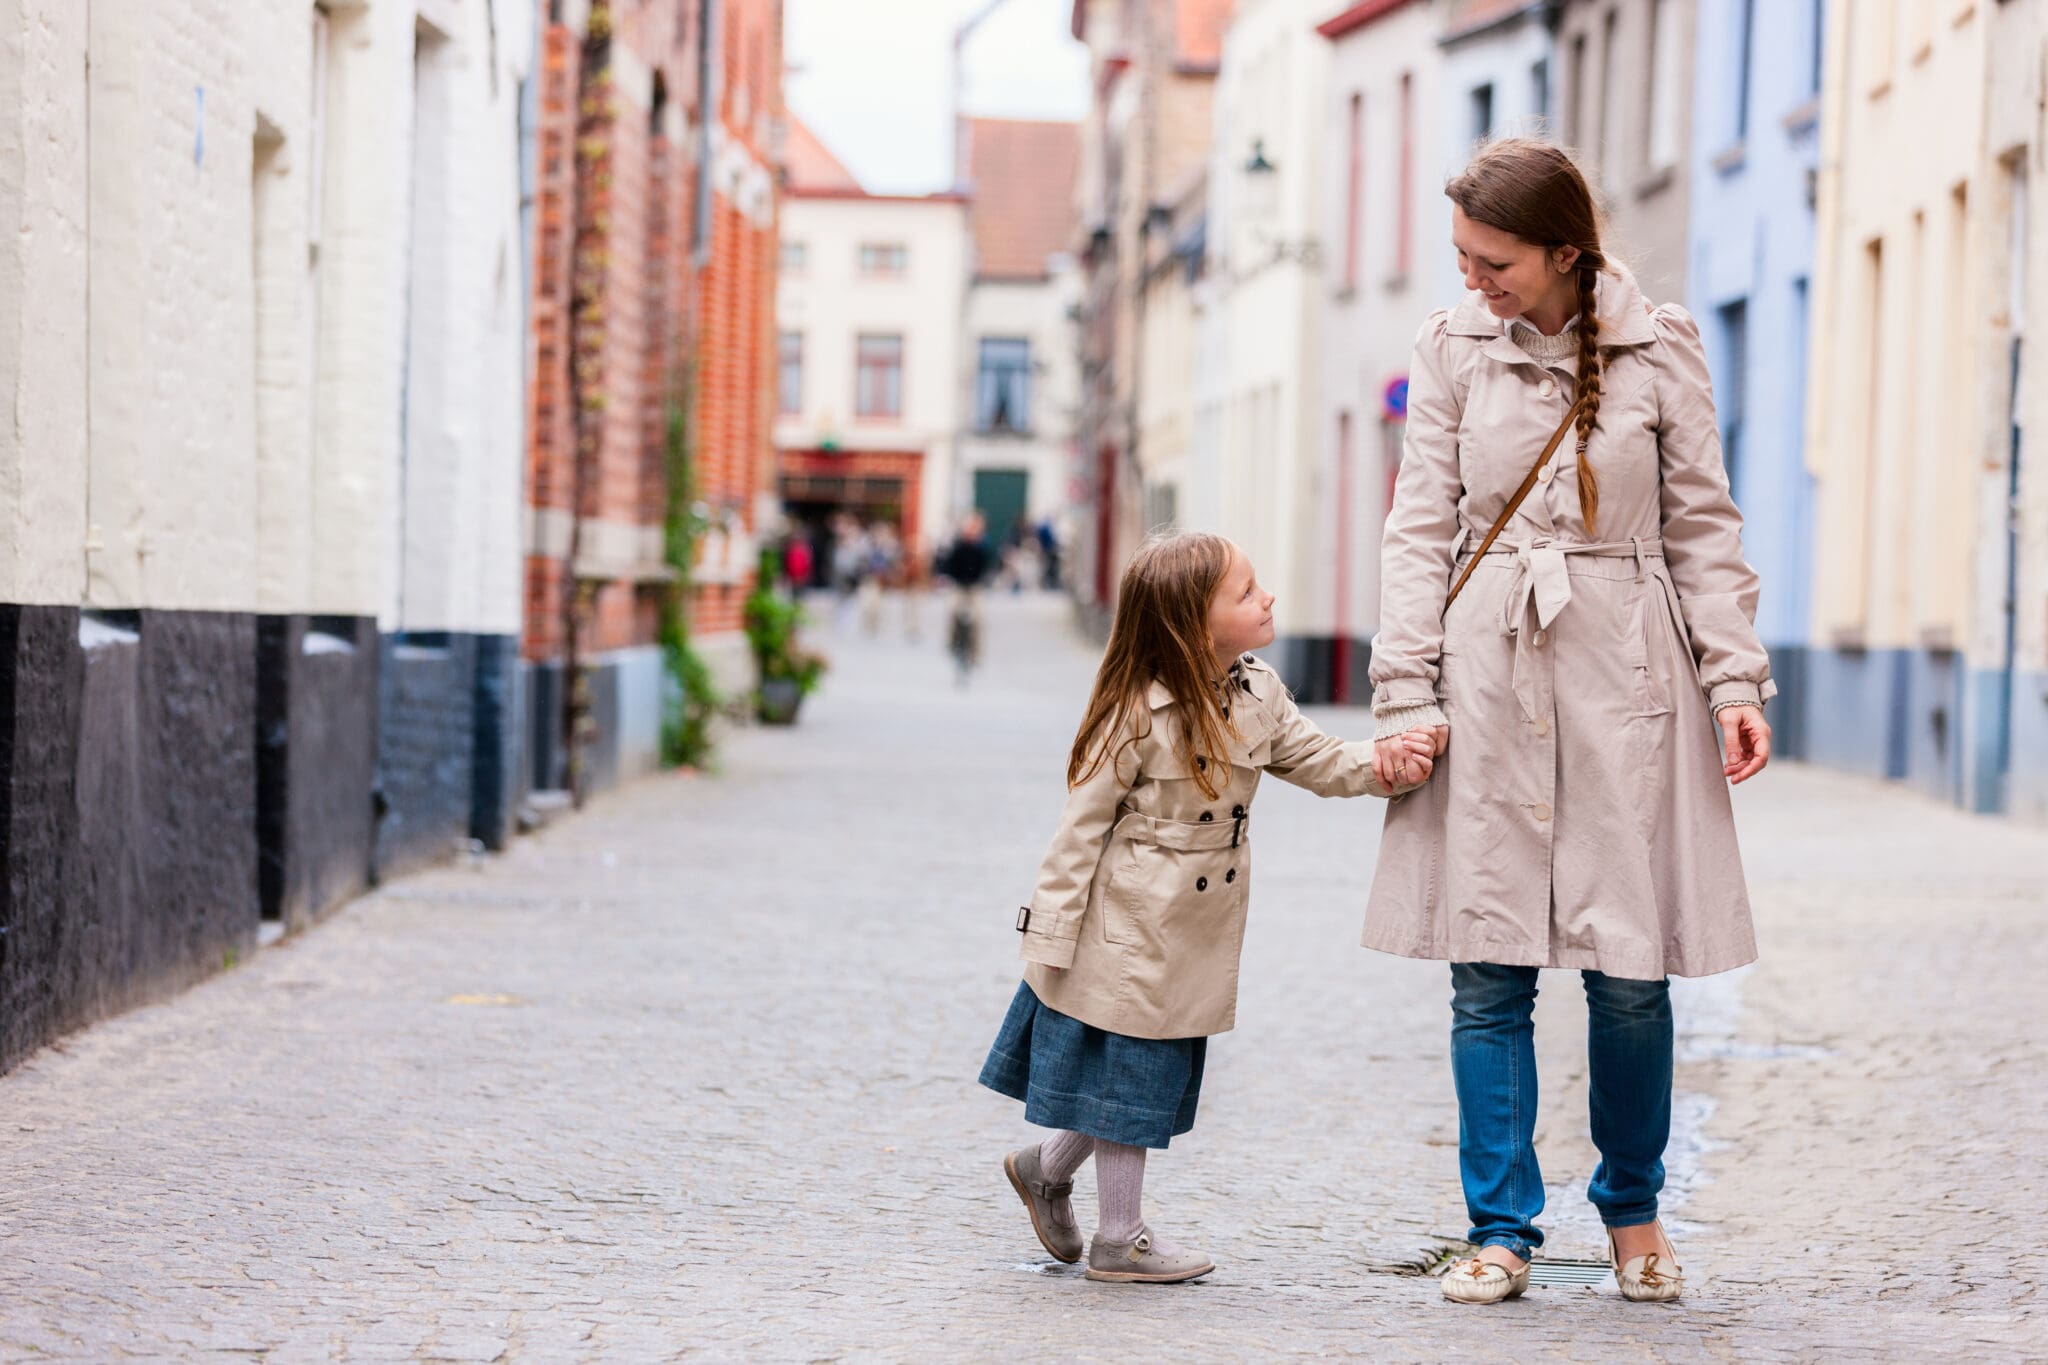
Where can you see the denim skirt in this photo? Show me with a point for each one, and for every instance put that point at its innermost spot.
(1138, 1091)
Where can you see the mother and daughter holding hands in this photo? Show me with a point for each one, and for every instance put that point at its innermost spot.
(1564, 589)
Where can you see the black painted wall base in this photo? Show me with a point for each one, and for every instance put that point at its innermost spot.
(316, 760)
(1308, 665)
(547, 766)
(445, 753)
(128, 851)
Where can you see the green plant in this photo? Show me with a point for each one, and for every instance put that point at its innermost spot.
(773, 621)
(691, 703)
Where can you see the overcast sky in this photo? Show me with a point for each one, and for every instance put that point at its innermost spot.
(873, 78)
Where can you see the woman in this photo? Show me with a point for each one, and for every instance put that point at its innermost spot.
(1579, 820)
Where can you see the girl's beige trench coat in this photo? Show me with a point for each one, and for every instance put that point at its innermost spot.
(1142, 896)
(1580, 817)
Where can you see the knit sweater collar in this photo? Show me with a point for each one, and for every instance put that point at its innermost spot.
(1563, 346)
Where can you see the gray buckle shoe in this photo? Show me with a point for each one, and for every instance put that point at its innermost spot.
(1137, 1263)
(1027, 1178)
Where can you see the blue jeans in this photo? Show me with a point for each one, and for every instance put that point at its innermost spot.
(1493, 1063)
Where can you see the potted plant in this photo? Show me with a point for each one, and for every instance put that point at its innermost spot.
(788, 672)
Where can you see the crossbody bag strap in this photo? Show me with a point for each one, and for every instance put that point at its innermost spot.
(1514, 503)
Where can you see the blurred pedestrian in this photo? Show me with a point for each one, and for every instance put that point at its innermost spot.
(1603, 629)
(1132, 936)
(797, 561)
(967, 563)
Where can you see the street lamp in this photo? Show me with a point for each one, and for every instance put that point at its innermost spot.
(1261, 185)
(1262, 212)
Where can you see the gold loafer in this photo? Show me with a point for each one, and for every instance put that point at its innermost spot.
(1477, 1281)
(1650, 1278)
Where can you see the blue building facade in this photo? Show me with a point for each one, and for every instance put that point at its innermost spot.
(1755, 147)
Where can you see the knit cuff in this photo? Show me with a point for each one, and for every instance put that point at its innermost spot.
(1720, 706)
(1399, 717)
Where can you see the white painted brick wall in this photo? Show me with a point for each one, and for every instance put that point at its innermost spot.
(195, 415)
(42, 301)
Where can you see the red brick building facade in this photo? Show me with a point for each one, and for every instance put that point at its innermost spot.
(653, 279)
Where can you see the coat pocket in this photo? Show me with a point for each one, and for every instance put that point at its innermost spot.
(1651, 696)
(1122, 897)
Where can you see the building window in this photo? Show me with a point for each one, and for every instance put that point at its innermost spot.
(789, 373)
(1665, 85)
(1820, 37)
(1482, 112)
(884, 258)
(1731, 386)
(1575, 95)
(1354, 158)
(878, 376)
(794, 258)
(1603, 103)
(1404, 242)
(1745, 39)
(1002, 389)
(1539, 87)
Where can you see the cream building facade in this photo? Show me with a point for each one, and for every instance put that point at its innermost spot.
(1927, 641)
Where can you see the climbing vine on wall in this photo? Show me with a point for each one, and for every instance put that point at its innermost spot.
(690, 701)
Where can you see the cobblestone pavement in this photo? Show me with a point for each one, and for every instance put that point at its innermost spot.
(692, 1075)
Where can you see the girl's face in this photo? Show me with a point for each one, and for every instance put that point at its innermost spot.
(1241, 612)
(1514, 276)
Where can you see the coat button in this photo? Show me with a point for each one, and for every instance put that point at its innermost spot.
(1542, 728)
(1547, 387)
(1201, 883)
(1543, 474)
(1542, 638)
(1208, 815)
(1231, 875)
(1541, 810)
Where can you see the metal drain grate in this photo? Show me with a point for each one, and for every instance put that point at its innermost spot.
(1569, 1273)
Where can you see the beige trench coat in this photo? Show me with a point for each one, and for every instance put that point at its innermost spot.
(1581, 817)
(1142, 896)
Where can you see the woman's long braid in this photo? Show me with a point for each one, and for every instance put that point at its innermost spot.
(1589, 389)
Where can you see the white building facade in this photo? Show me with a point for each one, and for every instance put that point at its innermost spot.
(1268, 261)
(1387, 223)
(870, 317)
(260, 326)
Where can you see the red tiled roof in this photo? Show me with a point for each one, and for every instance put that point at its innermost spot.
(1357, 17)
(1198, 31)
(1022, 177)
(812, 165)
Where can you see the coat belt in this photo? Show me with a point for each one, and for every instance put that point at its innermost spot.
(1188, 836)
(1543, 586)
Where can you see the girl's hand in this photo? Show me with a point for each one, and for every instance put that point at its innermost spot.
(1404, 760)
(1746, 737)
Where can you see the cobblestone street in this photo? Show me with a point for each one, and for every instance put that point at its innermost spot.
(692, 1074)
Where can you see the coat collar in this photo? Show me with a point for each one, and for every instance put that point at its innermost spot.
(1623, 313)
(1249, 674)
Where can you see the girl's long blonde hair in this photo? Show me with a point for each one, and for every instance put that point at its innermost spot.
(1161, 634)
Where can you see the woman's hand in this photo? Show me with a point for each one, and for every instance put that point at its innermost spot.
(1746, 740)
(1407, 760)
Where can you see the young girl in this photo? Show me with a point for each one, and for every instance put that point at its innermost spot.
(1133, 933)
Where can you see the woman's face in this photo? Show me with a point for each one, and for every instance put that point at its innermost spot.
(1512, 275)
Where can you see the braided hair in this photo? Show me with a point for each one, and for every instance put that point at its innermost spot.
(1535, 191)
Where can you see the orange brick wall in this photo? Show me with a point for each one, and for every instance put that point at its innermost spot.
(655, 306)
